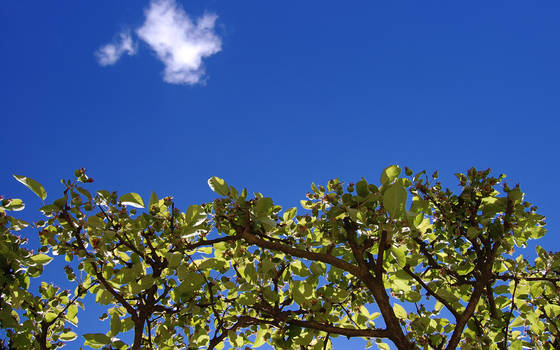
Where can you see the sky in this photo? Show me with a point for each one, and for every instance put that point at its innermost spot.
(160, 95)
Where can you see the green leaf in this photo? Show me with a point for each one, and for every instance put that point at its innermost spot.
(383, 346)
(516, 195)
(218, 185)
(14, 205)
(317, 268)
(153, 200)
(390, 173)
(306, 204)
(537, 232)
(41, 259)
(517, 322)
(115, 325)
(72, 311)
(146, 282)
(96, 222)
(552, 310)
(50, 316)
(32, 185)
(249, 273)
(68, 336)
(362, 188)
(259, 338)
(96, 340)
(174, 259)
(400, 312)
(399, 254)
(516, 345)
(503, 289)
(132, 199)
(394, 200)
(290, 214)
(263, 206)
(194, 215)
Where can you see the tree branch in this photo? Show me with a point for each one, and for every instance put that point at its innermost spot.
(284, 248)
(431, 292)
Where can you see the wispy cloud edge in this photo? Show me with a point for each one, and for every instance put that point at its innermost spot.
(109, 54)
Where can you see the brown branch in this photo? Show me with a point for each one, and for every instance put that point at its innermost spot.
(98, 274)
(242, 321)
(432, 263)
(512, 277)
(326, 341)
(465, 316)
(127, 243)
(349, 316)
(491, 301)
(247, 234)
(374, 284)
(380, 253)
(431, 292)
(511, 308)
(348, 332)
(71, 302)
(201, 243)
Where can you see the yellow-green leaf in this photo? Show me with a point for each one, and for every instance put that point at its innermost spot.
(33, 185)
(72, 311)
(383, 346)
(399, 254)
(68, 336)
(153, 200)
(96, 340)
(95, 222)
(115, 325)
(400, 312)
(132, 199)
(259, 338)
(218, 185)
(394, 200)
(50, 316)
(41, 259)
(290, 214)
(14, 205)
(390, 173)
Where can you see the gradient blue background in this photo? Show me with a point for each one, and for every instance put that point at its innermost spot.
(301, 92)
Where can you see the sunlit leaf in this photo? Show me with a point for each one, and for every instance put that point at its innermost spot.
(218, 185)
(41, 259)
(394, 200)
(389, 174)
(14, 204)
(400, 312)
(68, 336)
(132, 199)
(33, 185)
(96, 340)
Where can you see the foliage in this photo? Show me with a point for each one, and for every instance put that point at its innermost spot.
(406, 262)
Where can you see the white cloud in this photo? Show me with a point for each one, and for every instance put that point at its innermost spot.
(110, 53)
(179, 42)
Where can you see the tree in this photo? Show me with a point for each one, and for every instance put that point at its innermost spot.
(406, 262)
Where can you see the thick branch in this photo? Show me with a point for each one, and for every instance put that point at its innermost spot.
(465, 316)
(348, 332)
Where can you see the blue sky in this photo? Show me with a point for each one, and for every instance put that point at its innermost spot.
(274, 96)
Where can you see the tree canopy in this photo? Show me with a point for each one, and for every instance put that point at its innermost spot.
(405, 261)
